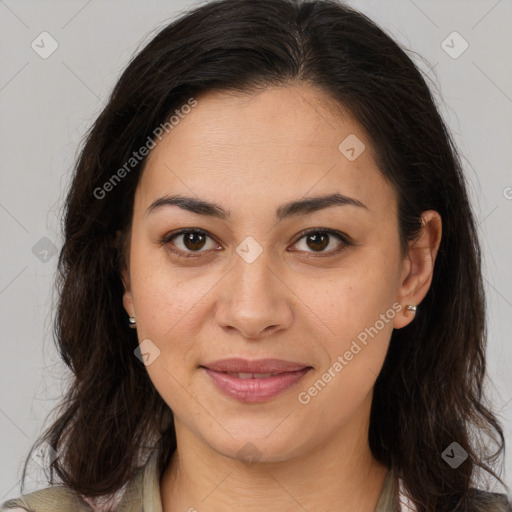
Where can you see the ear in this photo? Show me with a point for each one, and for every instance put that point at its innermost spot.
(418, 266)
(125, 278)
(127, 295)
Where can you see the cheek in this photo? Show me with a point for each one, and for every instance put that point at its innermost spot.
(163, 295)
(165, 310)
(354, 317)
(355, 345)
(352, 296)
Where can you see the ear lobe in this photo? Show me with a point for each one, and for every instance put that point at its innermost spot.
(419, 265)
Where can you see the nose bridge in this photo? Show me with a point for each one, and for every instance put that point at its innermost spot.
(254, 299)
(253, 273)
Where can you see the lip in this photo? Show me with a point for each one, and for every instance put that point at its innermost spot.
(255, 390)
(237, 364)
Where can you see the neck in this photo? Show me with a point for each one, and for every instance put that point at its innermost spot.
(339, 474)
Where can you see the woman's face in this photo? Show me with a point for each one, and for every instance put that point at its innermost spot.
(252, 284)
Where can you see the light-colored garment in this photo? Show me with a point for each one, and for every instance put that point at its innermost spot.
(142, 494)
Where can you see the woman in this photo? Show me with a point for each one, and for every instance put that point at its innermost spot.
(270, 286)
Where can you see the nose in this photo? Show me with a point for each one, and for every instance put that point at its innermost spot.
(254, 300)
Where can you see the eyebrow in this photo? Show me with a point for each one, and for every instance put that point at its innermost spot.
(299, 207)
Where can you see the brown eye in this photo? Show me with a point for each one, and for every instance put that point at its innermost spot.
(189, 241)
(193, 241)
(316, 241)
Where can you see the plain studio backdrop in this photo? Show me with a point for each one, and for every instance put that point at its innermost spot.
(51, 92)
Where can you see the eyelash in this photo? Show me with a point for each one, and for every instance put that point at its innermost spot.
(346, 241)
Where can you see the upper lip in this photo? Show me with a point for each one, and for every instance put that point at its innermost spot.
(256, 366)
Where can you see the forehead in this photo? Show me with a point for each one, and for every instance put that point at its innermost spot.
(281, 142)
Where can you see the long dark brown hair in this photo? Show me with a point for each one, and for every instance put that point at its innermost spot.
(430, 390)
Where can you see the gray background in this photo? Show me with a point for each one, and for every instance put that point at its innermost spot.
(47, 105)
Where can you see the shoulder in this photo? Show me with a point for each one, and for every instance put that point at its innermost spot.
(481, 501)
(492, 501)
(60, 498)
(51, 499)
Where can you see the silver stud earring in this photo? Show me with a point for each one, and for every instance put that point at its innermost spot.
(132, 320)
(412, 308)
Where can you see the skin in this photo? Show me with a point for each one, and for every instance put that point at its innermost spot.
(298, 301)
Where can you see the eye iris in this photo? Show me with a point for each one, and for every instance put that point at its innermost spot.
(191, 241)
(321, 239)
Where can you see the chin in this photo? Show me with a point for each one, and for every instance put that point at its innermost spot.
(253, 448)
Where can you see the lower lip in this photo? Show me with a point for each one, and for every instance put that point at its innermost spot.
(255, 390)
